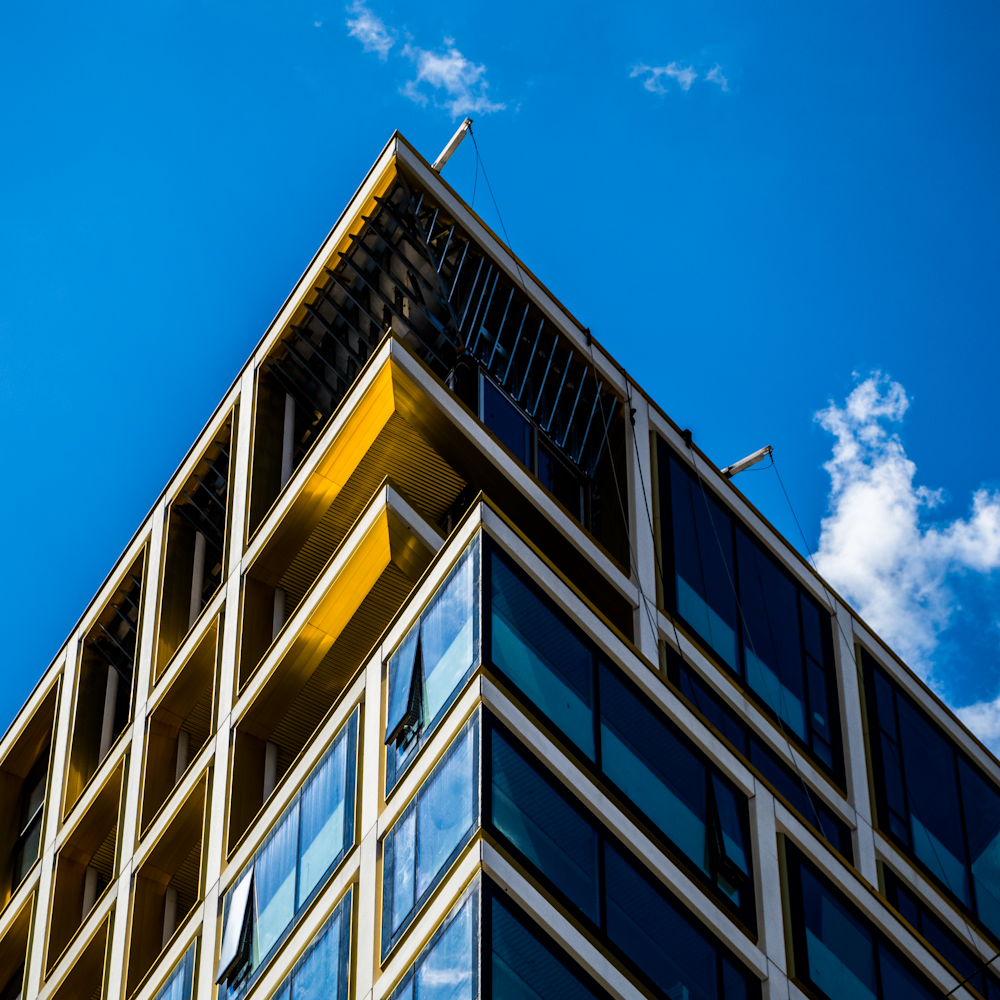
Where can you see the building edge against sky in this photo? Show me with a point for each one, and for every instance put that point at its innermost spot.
(447, 664)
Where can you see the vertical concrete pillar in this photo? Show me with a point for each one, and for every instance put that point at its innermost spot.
(278, 619)
(169, 914)
(183, 748)
(640, 513)
(270, 768)
(197, 578)
(89, 891)
(288, 440)
(110, 704)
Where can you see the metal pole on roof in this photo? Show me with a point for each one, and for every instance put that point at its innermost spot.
(453, 143)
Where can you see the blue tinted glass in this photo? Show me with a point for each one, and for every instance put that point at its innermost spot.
(732, 808)
(445, 973)
(178, 986)
(812, 629)
(317, 976)
(504, 420)
(449, 634)
(935, 820)
(542, 656)
(445, 811)
(274, 882)
(650, 930)
(885, 702)
(324, 809)
(982, 821)
(773, 653)
(703, 564)
(543, 826)
(892, 773)
(819, 715)
(735, 984)
(524, 968)
(840, 950)
(898, 981)
(653, 768)
(400, 672)
(404, 855)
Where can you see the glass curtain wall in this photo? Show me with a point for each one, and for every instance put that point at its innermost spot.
(179, 983)
(429, 835)
(432, 662)
(932, 800)
(323, 972)
(838, 953)
(755, 752)
(628, 740)
(301, 851)
(759, 622)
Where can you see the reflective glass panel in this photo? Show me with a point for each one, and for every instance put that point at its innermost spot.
(446, 970)
(274, 876)
(982, 810)
(542, 656)
(323, 813)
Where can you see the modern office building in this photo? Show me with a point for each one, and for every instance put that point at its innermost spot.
(447, 665)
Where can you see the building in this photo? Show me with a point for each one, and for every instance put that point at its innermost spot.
(446, 664)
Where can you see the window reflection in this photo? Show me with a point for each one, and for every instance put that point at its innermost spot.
(323, 972)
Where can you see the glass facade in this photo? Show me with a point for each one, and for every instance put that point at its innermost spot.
(932, 800)
(837, 952)
(629, 741)
(323, 972)
(763, 626)
(298, 855)
(431, 832)
(756, 753)
(179, 982)
(32, 807)
(429, 666)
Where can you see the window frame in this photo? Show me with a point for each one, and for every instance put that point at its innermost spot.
(744, 914)
(667, 574)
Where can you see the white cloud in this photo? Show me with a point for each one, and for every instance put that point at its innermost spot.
(369, 29)
(716, 76)
(463, 82)
(654, 82)
(875, 546)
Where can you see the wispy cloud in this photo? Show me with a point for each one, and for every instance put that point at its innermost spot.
(462, 81)
(369, 29)
(877, 546)
(444, 77)
(660, 79)
(655, 82)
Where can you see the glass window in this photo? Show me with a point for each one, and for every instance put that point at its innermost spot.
(547, 828)
(673, 786)
(505, 421)
(781, 778)
(756, 618)
(32, 806)
(448, 968)
(179, 982)
(295, 860)
(542, 655)
(932, 800)
(430, 833)
(543, 825)
(323, 972)
(836, 951)
(426, 670)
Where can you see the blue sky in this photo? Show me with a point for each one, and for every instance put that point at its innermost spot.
(754, 207)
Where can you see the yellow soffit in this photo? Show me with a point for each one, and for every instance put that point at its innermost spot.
(362, 560)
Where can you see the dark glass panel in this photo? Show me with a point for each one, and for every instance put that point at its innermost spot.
(524, 968)
(653, 767)
(840, 951)
(935, 818)
(650, 930)
(819, 714)
(544, 826)
(812, 629)
(711, 706)
(703, 564)
(727, 804)
(772, 649)
(898, 982)
(885, 702)
(892, 772)
(542, 656)
(559, 481)
(982, 823)
(734, 983)
(503, 419)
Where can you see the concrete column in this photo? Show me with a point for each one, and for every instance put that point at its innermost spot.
(110, 704)
(279, 612)
(169, 914)
(183, 749)
(89, 891)
(270, 768)
(638, 505)
(197, 578)
(288, 440)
